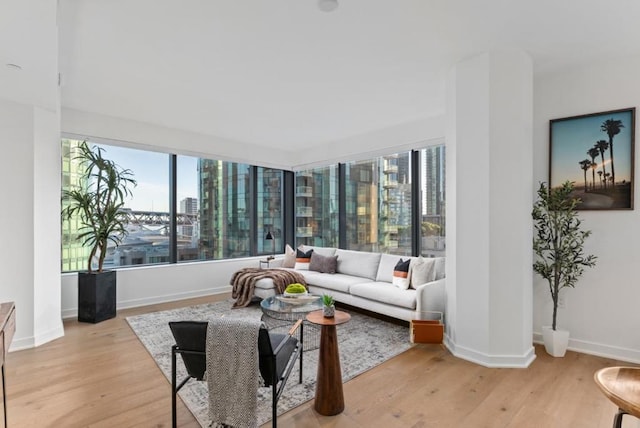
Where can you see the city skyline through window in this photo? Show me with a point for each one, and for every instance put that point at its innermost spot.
(225, 209)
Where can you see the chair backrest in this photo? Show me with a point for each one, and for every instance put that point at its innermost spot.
(265, 352)
(192, 336)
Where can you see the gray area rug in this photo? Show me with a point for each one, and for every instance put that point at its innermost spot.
(364, 342)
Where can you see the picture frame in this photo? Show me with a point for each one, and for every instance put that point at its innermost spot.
(596, 153)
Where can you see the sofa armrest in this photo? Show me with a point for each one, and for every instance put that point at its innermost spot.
(431, 296)
(276, 263)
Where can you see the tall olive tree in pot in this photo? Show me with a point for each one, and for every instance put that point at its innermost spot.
(558, 245)
(98, 204)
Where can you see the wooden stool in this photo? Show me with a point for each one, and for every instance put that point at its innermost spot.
(622, 386)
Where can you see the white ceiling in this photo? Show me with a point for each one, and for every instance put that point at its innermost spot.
(281, 73)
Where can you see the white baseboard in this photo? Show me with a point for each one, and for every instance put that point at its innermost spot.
(494, 361)
(152, 300)
(598, 349)
(40, 339)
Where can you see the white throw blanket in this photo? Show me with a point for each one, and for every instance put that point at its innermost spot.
(232, 371)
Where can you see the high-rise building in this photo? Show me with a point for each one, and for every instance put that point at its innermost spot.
(433, 200)
(188, 230)
(433, 180)
(74, 255)
(189, 206)
(224, 209)
(317, 207)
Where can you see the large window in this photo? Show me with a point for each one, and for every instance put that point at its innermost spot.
(147, 242)
(188, 209)
(226, 210)
(432, 212)
(316, 207)
(378, 204)
(269, 210)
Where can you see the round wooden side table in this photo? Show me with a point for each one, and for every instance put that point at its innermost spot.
(622, 386)
(329, 399)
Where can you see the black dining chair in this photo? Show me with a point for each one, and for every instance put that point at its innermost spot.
(276, 353)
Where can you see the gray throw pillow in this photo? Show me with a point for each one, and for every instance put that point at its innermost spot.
(323, 264)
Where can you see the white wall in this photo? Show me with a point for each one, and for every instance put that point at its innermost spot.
(146, 285)
(46, 227)
(16, 251)
(30, 254)
(602, 312)
(157, 138)
(401, 137)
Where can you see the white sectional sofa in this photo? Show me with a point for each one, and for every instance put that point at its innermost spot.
(364, 280)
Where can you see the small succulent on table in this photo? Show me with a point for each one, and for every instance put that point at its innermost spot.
(328, 306)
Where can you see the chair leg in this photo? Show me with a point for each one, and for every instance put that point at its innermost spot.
(174, 418)
(617, 419)
(301, 348)
(274, 405)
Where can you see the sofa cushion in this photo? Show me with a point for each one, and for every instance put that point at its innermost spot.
(440, 267)
(422, 270)
(336, 282)
(265, 284)
(386, 266)
(401, 274)
(289, 260)
(303, 258)
(323, 251)
(324, 264)
(385, 292)
(358, 263)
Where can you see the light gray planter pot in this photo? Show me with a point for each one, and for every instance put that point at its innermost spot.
(555, 341)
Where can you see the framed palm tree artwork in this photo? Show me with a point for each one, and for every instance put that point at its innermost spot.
(596, 153)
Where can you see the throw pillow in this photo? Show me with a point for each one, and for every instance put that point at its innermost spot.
(289, 260)
(323, 264)
(401, 274)
(422, 270)
(303, 259)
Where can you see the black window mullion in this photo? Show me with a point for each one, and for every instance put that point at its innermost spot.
(253, 211)
(288, 208)
(416, 202)
(342, 205)
(173, 196)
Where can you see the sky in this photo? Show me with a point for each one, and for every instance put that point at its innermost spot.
(151, 171)
(571, 139)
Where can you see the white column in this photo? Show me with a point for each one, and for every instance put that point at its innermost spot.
(30, 176)
(30, 254)
(489, 190)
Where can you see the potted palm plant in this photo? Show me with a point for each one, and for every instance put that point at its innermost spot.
(558, 244)
(98, 207)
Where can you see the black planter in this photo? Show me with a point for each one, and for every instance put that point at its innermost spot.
(96, 296)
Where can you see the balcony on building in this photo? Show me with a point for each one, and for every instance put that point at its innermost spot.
(391, 243)
(307, 174)
(389, 167)
(388, 228)
(305, 191)
(304, 211)
(389, 183)
(304, 232)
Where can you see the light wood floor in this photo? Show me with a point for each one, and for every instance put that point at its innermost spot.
(101, 376)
